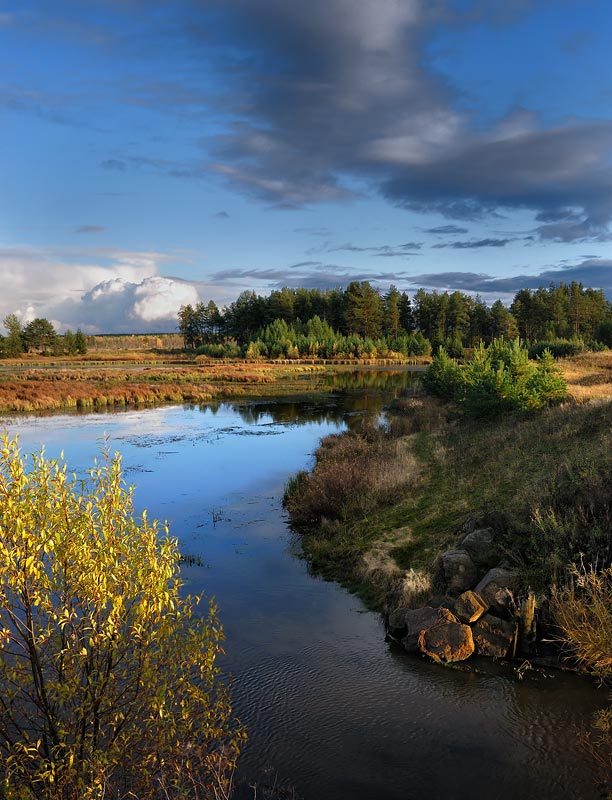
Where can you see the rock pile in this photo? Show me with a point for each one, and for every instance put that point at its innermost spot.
(478, 612)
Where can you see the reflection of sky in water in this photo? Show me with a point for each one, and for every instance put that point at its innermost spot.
(169, 453)
(328, 703)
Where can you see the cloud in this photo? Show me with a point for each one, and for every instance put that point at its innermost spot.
(313, 231)
(319, 102)
(122, 306)
(307, 274)
(475, 244)
(16, 99)
(595, 273)
(113, 164)
(557, 215)
(562, 173)
(447, 229)
(385, 250)
(90, 229)
(222, 215)
(333, 90)
(101, 290)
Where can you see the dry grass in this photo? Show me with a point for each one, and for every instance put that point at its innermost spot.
(583, 611)
(588, 376)
(353, 476)
(66, 385)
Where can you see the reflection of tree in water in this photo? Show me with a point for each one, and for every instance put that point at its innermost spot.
(380, 380)
(357, 400)
(295, 412)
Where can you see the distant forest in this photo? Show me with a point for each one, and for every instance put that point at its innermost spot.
(361, 321)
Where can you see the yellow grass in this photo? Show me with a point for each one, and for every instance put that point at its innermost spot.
(63, 385)
(588, 376)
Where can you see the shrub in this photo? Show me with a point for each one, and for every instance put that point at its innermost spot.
(497, 378)
(444, 377)
(107, 676)
(560, 348)
(227, 350)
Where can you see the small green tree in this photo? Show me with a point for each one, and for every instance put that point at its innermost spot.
(444, 377)
(69, 343)
(39, 335)
(80, 342)
(108, 682)
(13, 344)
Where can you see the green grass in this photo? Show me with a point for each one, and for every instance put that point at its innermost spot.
(546, 474)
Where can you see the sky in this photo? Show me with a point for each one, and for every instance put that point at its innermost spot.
(155, 153)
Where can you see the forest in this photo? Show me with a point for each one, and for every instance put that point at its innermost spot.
(361, 321)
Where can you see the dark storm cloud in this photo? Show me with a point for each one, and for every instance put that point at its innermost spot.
(331, 90)
(548, 171)
(324, 89)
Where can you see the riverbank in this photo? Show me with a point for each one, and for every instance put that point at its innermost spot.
(380, 507)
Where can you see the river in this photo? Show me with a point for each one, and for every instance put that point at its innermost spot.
(328, 703)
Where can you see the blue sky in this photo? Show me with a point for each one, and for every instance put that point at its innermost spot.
(157, 152)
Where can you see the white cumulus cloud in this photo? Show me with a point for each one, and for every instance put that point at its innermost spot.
(100, 290)
(158, 298)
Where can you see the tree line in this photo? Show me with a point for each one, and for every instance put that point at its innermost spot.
(363, 321)
(39, 336)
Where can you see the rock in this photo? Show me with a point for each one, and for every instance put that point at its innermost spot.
(442, 601)
(481, 546)
(396, 622)
(459, 571)
(493, 636)
(417, 620)
(469, 607)
(447, 640)
(496, 590)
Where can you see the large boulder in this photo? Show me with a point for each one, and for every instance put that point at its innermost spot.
(469, 607)
(459, 571)
(482, 548)
(493, 636)
(417, 620)
(447, 640)
(496, 590)
(396, 623)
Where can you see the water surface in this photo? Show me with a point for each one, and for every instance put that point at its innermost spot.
(328, 703)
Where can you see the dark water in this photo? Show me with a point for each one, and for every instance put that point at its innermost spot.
(328, 703)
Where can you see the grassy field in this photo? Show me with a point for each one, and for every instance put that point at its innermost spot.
(543, 477)
(116, 378)
(131, 380)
